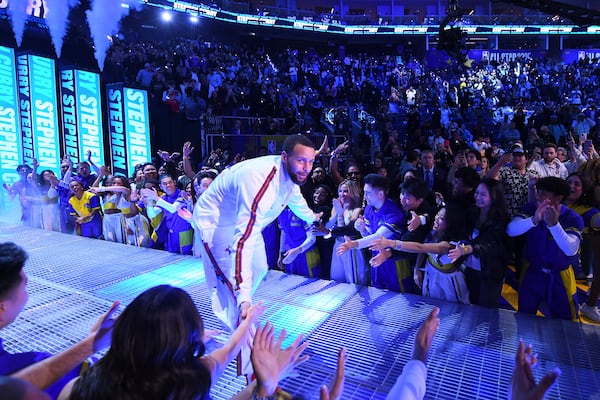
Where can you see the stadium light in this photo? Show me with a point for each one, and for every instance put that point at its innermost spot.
(166, 16)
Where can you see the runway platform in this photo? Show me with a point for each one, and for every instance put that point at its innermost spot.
(72, 280)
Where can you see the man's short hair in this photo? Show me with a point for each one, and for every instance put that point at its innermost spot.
(468, 176)
(550, 144)
(555, 185)
(292, 140)
(415, 187)
(476, 153)
(377, 181)
(12, 259)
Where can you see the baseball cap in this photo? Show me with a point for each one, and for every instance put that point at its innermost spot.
(517, 149)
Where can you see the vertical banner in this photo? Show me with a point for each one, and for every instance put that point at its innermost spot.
(10, 133)
(81, 115)
(129, 128)
(25, 116)
(44, 110)
(116, 129)
(138, 126)
(69, 114)
(89, 115)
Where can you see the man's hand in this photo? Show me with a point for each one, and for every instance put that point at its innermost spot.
(347, 245)
(163, 154)
(415, 222)
(551, 214)
(270, 362)
(185, 214)
(337, 386)
(251, 312)
(506, 158)
(380, 258)
(360, 225)
(151, 194)
(540, 211)
(101, 331)
(425, 336)
(187, 149)
(523, 386)
(381, 243)
(291, 255)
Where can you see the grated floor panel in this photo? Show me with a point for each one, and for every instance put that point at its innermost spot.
(73, 280)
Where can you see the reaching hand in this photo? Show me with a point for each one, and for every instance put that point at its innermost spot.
(344, 247)
(415, 221)
(425, 336)
(523, 386)
(291, 255)
(209, 334)
(359, 224)
(380, 258)
(418, 277)
(101, 331)
(88, 155)
(337, 386)
(381, 243)
(457, 252)
(270, 362)
(264, 360)
(251, 312)
(185, 214)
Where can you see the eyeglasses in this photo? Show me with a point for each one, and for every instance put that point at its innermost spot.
(353, 173)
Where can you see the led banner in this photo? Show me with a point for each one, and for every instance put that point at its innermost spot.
(116, 129)
(89, 115)
(137, 126)
(35, 8)
(571, 56)
(10, 133)
(81, 115)
(25, 116)
(44, 110)
(69, 114)
(129, 128)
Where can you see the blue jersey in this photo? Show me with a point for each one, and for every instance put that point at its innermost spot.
(541, 251)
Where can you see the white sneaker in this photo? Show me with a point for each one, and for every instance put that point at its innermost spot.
(591, 312)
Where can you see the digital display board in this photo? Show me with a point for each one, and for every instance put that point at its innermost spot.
(69, 114)
(25, 115)
(129, 128)
(10, 131)
(44, 110)
(81, 115)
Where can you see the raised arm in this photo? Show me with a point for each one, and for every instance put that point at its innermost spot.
(48, 371)
(218, 360)
(187, 165)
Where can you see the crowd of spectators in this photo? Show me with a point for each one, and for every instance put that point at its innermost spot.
(451, 128)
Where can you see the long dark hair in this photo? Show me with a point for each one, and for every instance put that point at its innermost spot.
(155, 352)
(498, 212)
